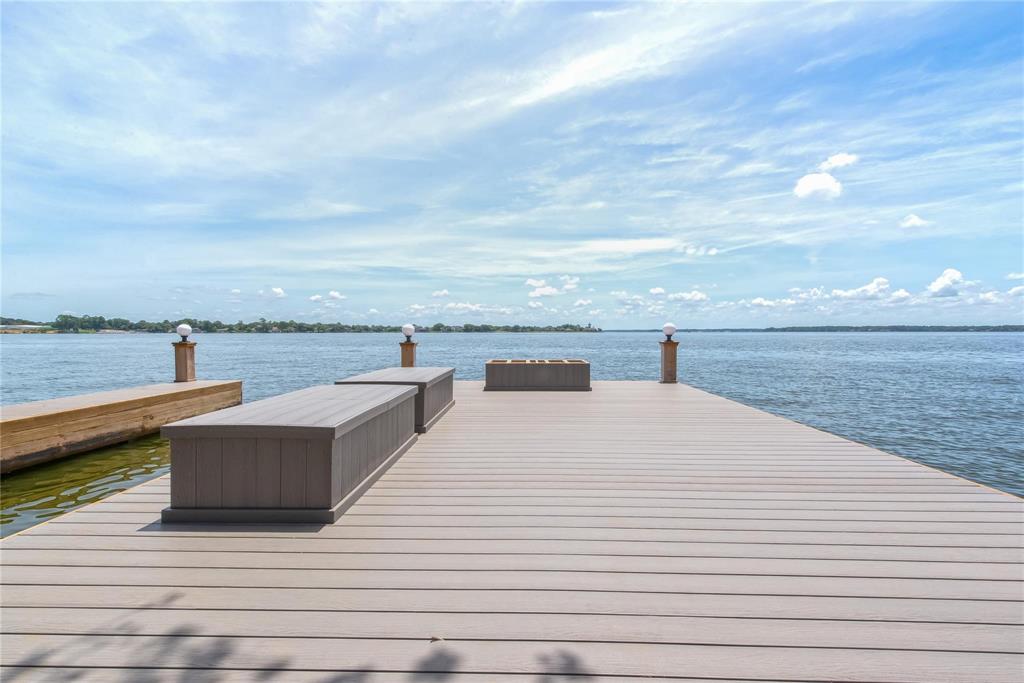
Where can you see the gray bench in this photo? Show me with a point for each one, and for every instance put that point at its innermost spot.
(537, 375)
(435, 395)
(304, 457)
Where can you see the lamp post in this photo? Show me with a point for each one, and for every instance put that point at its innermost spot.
(408, 346)
(669, 350)
(184, 356)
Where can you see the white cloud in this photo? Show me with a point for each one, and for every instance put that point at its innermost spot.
(899, 295)
(989, 297)
(417, 308)
(278, 292)
(626, 246)
(1015, 276)
(546, 290)
(373, 311)
(316, 297)
(236, 291)
(912, 220)
(838, 161)
(439, 294)
(582, 302)
(313, 209)
(467, 307)
(336, 295)
(688, 296)
(542, 288)
(947, 284)
(657, 291)
(876, 289)
(818, 185)
(535, 304)
(1016, 291)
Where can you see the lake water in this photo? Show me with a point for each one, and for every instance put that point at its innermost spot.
(954, 401)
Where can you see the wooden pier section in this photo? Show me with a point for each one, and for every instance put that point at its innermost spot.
(641, 531)
(40, 431)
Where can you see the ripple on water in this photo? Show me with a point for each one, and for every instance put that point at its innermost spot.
(46, 491)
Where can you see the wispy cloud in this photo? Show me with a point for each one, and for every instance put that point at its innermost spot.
(818, 185)
(912, 220)
(381, 149)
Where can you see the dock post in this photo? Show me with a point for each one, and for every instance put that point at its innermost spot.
(184, 356)
(408, 346)
(669, 351)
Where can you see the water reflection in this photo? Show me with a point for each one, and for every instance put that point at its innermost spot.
(45, 491)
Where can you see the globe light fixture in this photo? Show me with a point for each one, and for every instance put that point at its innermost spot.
(408, 330)
(184, 330)
(669, 329)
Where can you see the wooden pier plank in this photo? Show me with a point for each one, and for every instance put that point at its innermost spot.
(195, 650)
(40, 431)
(637, 530)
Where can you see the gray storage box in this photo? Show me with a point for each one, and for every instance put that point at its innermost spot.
(537, 375)
(435, 395)
(305, 456)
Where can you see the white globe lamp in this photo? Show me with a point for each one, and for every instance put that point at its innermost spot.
(669, 329)
(408, 330)
(184, 330)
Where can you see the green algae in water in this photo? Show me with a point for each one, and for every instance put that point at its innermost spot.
(45, 491)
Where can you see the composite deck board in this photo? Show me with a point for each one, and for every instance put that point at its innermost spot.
(841, 609)
(639, 530)
(337, 535)
(621, 543)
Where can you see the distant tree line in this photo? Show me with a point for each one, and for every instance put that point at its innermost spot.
(901, 328)
(95, 323)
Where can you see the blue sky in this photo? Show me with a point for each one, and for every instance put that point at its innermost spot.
(713, 164)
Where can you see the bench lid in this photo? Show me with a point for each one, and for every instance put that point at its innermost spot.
(326, 411)
(420, 376)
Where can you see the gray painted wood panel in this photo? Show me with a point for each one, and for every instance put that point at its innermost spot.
(318, 473)
(435, 389)
(293, 473)
(641, 529)
(183, 461)
(238, 473)
(269, 482)
(208, 474)
(254, 475)
(537, 375)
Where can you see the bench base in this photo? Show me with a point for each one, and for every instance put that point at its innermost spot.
(422, 429)
(171, 515)
(571, 388)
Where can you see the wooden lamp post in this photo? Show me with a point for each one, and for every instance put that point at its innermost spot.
(669, 351)
(408, 346)
(184, 356)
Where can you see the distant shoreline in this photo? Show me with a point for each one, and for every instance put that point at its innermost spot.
(99, 325)
(852, 328)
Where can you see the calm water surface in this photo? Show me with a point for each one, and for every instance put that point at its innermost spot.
(950, 400)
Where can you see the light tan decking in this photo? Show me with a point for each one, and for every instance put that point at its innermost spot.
(640, 530)
(40, 431)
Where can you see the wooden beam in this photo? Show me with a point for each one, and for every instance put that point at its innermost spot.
(37, 432)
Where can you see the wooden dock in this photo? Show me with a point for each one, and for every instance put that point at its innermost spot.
(32, 433)
(639, 531)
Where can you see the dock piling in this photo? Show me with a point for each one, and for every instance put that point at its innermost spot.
(669, 350)
(408, 346)
(184, 356)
